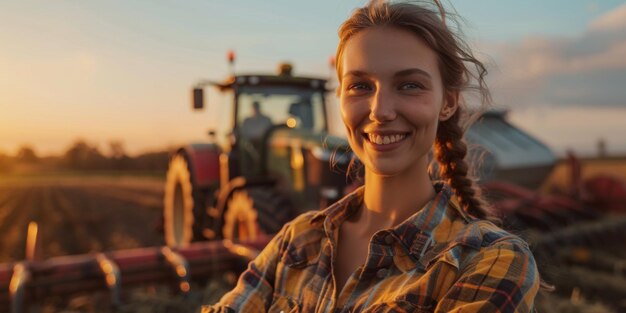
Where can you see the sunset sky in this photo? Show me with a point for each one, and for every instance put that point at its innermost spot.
(122, 70)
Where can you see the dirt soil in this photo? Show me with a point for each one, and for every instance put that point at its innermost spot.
(79, 215)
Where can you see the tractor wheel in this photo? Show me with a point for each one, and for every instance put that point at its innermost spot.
(252, 213)
(184, 204)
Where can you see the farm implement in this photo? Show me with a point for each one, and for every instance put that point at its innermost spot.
(27, 282)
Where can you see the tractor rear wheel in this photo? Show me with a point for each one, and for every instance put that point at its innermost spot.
(184, 204)
(256, 212)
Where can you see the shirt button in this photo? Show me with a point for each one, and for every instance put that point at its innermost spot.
(389, 239)
(381, 273)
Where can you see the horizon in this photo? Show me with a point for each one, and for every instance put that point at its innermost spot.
(123, 71)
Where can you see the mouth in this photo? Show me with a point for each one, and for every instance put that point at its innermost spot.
(383, 139)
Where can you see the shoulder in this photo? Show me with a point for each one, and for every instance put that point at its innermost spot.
(302, 228)
(489, 234)
(498, 255)
(497, 265)
(493, 237)
(461, 228)
(302, 222)
(482, 236)
(300, 240)
(472, 241)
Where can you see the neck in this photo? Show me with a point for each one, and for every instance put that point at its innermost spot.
(389, 200)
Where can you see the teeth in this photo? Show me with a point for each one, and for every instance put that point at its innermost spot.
(379, 140)
(384, 140)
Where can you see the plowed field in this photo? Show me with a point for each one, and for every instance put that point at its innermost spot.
(79, 215)
(90, 214)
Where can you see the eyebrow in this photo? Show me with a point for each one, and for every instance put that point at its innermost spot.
(412, 71)
(407, 72)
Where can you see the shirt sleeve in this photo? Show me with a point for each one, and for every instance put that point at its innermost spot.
(254, 289)
(500, 278)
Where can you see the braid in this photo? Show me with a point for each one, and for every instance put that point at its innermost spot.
(450, 151)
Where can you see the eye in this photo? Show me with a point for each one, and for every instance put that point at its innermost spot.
(358, 88)
(410, 86)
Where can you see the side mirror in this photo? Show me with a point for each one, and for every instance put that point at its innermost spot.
(198, 98)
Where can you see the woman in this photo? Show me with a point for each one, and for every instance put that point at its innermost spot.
(400, 243)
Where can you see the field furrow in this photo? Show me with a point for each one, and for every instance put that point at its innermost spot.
(23, 208)
(78, 216)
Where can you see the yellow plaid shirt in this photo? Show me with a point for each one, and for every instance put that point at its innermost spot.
(438, 260)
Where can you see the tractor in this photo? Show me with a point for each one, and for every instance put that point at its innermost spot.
(269, 158)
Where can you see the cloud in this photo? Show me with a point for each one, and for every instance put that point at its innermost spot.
(615, 19)
(588, 69)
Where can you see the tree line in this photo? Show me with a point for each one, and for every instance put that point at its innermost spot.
(84, 156)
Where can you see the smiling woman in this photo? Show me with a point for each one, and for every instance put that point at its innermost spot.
(391, 88)
(402, 242)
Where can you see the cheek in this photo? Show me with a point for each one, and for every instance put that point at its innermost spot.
(352, 113)
(424, 111)
(421, 115)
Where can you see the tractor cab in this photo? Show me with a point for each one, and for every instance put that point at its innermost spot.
(260, 105)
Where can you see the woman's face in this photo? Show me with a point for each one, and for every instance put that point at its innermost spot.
(391, 97)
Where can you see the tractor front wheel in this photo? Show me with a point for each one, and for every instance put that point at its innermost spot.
(255, 212)
(184, 204)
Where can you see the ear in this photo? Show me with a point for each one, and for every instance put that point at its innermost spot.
(450, 105)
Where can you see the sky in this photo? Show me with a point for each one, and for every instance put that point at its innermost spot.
(123, 70)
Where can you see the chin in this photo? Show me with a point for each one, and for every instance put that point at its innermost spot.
(387, 168)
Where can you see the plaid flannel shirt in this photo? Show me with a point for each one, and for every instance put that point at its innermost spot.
(438, 260)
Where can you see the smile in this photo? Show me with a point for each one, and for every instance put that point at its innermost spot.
(384, 139)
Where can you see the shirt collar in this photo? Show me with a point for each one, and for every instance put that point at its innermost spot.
(333, 216)
(414, 233)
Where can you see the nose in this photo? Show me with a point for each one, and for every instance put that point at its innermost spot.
(382, 108)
